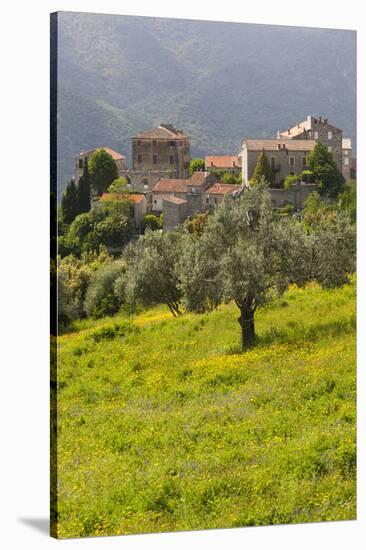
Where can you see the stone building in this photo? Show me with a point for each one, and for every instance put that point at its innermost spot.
(191, 189)
(175, 211)
(79, 161)
(215, 194)
(318, 128)
(285, 156)
(347, 158)
(162, 149)
(227, 163)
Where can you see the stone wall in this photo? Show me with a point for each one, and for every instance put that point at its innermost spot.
(296, 196)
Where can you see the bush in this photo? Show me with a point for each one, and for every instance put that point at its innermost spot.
(101, 298)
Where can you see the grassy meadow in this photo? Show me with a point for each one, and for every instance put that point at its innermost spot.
(165, 425)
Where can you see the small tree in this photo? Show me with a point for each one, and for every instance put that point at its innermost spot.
(119, 186)
(262, 170)
(196, 164)
(101, 298)
(103, 171)
(328, 179)
(151, 278)
(152, 222)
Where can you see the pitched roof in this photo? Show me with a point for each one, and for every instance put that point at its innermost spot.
(222, 162)
(300, 128)
(164, 131)
(197, 178)
(131, 197)
(223, 189)
(114, 154)
(166, 185)
(272, 144)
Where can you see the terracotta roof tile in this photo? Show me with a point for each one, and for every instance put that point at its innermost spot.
(272, 144)
(165, 185)
(223, 189)
(112, 197)
(222, 162)
(197, 178)
(114, 154)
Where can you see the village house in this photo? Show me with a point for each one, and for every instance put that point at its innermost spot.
(162, 148)
(191, 189)
(178, 199)
(285, 156)
(215, 194)
(318, 128)
(230, 164)
(79, 161)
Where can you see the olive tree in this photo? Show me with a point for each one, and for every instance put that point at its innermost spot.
(248, 255)
(151, 277)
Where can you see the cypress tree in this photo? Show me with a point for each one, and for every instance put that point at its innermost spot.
(262, 169)
(84, 204)
(69, 203)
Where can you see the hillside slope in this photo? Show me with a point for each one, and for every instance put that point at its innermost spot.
(164, 425)
(220, 82)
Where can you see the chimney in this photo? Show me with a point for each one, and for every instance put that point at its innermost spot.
(298, 124)
(279, 146)
(325, 120)
(283, 145)
(309, 118)
(212, 163)
(289, 131)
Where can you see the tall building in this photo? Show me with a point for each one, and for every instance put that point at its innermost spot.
(318, 128)
(162, 149)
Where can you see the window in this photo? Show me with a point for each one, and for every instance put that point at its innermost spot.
(346, 153)
(207, 199)
(155, 159)
(139, 159)
(329, 135)
(346, 161)
(273, 163)
(329, 148)
(171, 159)
(215, 200)
(139, 142)
(316, 134)
(171, 143)
(292, 161)
(154, 142)
(80, 163)
(304, 161)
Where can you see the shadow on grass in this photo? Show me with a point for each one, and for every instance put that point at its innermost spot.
(296, 330)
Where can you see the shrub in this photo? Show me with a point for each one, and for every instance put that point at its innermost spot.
(101, 298)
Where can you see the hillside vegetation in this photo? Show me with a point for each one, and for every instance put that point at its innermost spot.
(165, 425)
(220, 82)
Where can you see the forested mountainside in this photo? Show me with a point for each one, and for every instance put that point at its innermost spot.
(220, 82)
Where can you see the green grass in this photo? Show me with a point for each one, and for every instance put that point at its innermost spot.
(165, 425)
